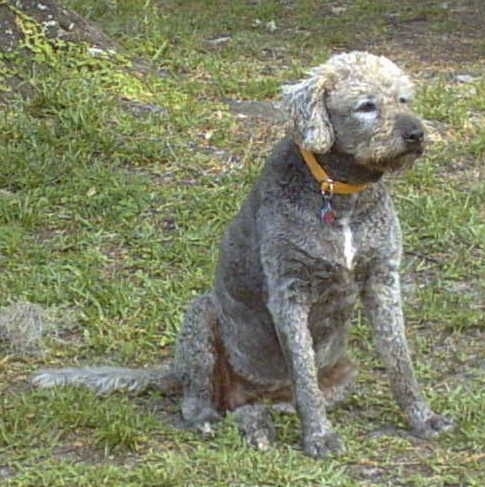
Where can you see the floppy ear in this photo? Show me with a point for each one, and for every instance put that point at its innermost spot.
(310, 125)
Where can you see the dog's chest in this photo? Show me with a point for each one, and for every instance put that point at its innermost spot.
(360, 232)
(338, 247)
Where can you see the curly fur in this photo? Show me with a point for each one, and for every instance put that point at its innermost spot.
(274, 327)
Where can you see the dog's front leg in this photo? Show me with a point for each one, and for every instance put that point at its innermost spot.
(290, 315)
(382, 301)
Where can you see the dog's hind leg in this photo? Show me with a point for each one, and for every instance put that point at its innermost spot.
(195, 361)
(256, 425)
(337, 381)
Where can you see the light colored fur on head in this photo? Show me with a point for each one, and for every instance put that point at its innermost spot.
(356, 71)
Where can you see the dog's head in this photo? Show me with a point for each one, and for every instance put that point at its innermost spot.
(357, 104)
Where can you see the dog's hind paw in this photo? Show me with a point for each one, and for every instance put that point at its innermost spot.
(255, 423)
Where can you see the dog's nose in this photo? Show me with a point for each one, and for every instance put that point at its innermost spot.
(414, 136)
(410, 129)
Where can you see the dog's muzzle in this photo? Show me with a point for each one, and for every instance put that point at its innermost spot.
(411, 131)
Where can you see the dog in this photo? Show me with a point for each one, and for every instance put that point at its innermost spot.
(317, 232)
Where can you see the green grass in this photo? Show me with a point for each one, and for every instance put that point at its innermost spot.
(110, 218)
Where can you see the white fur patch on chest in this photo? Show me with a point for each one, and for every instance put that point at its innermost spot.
(348, 244)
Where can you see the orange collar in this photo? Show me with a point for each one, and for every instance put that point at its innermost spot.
(327, 184)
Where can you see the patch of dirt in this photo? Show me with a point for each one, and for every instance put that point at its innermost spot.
(6, 472)
(56, 22)
(22, 327)
(458, 36)
(256, 110)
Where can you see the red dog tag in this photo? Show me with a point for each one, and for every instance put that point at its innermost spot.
(327, 213)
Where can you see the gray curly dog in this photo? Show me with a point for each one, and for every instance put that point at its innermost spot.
(317, 231)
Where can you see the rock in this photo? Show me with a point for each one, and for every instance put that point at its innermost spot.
(465, 78)
(256, 109)
(219, 41)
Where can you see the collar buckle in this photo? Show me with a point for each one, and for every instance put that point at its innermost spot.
(328, 185)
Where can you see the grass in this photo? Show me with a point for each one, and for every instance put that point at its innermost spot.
(115, 187)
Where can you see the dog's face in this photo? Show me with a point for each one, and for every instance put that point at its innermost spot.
(374, 123)
(357, 104)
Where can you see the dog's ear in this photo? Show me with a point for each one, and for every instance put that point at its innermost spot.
(309, 122)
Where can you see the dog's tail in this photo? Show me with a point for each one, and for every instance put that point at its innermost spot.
(105, 380)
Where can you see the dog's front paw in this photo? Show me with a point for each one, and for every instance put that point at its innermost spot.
(321, 445)
(433, 425)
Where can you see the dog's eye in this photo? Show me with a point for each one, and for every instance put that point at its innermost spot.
(367, 106)
(403, 99)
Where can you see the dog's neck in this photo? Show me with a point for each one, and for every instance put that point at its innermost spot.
(343, 167)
